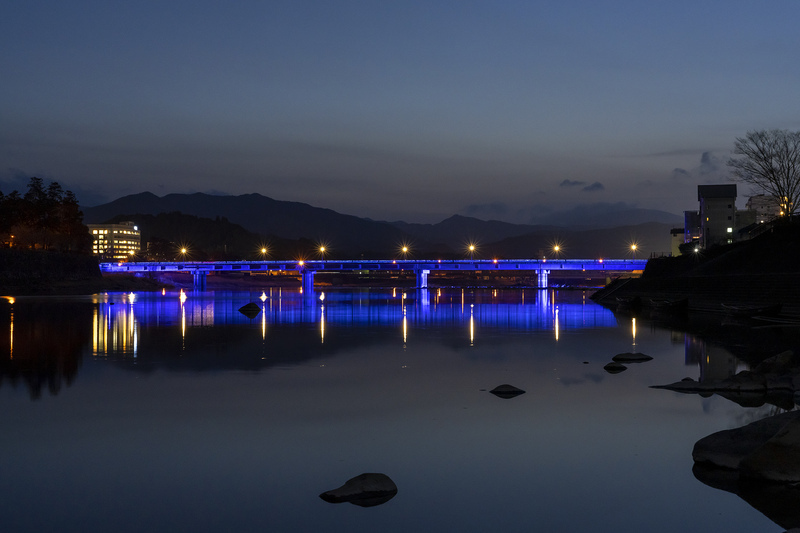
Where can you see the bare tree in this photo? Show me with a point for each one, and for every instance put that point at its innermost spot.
(770, 161)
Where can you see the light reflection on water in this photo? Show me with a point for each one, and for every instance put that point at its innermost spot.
(181, 413)
(115, 323)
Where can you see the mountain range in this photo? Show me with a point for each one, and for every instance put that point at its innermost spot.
(350, 236)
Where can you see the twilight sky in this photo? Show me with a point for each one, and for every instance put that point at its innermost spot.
(394, 110)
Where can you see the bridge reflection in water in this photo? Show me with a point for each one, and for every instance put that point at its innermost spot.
(119, 317)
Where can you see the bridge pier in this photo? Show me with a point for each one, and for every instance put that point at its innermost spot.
(199, 279)
(541, 278)
(308, 281)
(422, 278)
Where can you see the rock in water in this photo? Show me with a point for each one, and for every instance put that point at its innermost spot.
(506, 391)
(629, 357)
(615, 368)
(250, 310)
(778, 459)
(365, 490)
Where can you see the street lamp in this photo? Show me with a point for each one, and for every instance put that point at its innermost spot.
(633, 250)
(322, 252)
(404, 249)
(471, 252)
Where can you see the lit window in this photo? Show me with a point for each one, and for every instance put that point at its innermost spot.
(730, 230)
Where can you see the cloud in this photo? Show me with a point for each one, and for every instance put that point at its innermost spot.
(680, 173)
(596, 186)
(571, 183)
(710, 164)
(710, 169)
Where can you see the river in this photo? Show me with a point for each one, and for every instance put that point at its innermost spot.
(171, 411)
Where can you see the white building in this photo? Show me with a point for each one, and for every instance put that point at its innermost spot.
(115, 242)
(766, 207)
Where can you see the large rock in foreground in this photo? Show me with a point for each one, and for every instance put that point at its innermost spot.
(767, 450)
(778, 459)
(365, 490)
(728, 448)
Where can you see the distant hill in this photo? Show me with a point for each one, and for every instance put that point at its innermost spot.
(348, 236)
(343, 234)
(605, 216)
(217, 239)
(650, 238)
(462, 230)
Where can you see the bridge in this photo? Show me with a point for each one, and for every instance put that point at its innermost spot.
(422, 268)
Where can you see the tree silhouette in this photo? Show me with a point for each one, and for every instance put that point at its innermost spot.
(770, 161)
(44, 218)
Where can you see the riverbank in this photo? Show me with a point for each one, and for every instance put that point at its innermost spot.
(762, 271)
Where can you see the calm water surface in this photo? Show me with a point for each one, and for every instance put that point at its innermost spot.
(140, 412)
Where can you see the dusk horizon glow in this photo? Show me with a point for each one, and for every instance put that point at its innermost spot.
(412, 111)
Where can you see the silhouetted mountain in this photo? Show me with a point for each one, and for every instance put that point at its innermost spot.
(342, 234)
(652, 237)
(217, 239)
(462, 230)
(597, 216)
(234, 223)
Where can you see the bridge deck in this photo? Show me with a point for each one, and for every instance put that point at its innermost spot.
(421, 268)
(387, 265)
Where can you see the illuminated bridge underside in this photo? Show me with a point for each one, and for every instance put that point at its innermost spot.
(421, 268)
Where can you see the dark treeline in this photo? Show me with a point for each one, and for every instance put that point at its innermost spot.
(44, 218)
(210, 239)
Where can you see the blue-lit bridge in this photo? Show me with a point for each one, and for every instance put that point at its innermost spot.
(421, 268)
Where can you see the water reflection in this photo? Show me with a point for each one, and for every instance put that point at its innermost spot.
(41, 344)
(205, 410)
(48, 335)
(755, 367)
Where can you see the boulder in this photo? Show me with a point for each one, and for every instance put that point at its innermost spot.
(629, 357)
(250, 310)
(364, 490)
(783, 363)
(743, 382)
(506, 391)
(729, 447)
(615, 368)
(778, 459)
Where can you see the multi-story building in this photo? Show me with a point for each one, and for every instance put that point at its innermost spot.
(767, 208)
(115, 242)
(717, 214)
